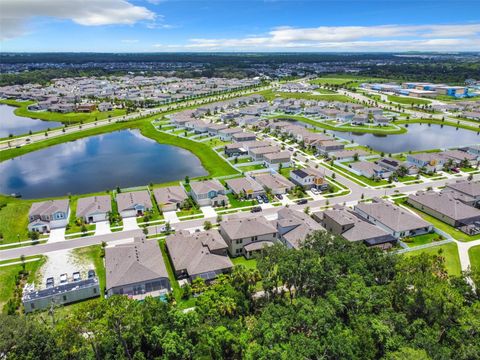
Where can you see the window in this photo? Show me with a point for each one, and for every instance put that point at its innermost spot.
(254, 238)
(64, 297)
(239, 241)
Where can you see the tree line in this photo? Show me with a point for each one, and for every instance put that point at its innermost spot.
(331, 299)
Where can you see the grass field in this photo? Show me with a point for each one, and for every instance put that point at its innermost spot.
(69, 118)
(13, 219)
(248, 263)
(474, 254)
(7, 278)
(449, 252)
(407, 100)
(421, 239)
(456, 234)
(93, 254)
(210, 160)
(270, 95)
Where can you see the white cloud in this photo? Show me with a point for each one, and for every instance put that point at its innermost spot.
(15, 14)
(352, 38)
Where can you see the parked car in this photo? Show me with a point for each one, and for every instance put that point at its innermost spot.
(315, 191)
(259, 199)
(256, 209)
(63, 278)
(91, 274)
(279, 196)
(50, 282)
(76, 276)
(456, 170)
(302, 201)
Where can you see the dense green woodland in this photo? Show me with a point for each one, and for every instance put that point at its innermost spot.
(346, 302)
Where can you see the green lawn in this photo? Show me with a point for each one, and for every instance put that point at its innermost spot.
(22, 110)
(93, 254)
(7, 278)
(407, 100)
(422, 239)
(270, 95)
(474, 254)
(449, 252)
(210, 160)
(248, 263)
(362, 178)
(251, 167)
(236, 203)
(13, 219)
(456, 234)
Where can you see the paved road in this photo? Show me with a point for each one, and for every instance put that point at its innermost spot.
(67, 244)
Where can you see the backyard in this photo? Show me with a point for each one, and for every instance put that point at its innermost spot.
(448, 251)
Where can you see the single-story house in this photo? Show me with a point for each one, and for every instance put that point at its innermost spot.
(202, 254)
(396, 165)
(46, 215)
(226, 134)
(239, 233)
(277, 159)
(245, 187)
(136, 269)
(393, 219)
(328, 146)
(444, 207)
(430, 161)
(133, 203)
(294, 226)
(370, 170)
(243, 136)
(170, 198)
(94, 208)
(273, 181)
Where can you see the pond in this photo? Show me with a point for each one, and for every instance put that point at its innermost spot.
(418, 137)
(124, 158)
(19, 125)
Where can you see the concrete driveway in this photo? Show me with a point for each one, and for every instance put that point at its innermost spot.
(56, 235)
(171, 217)
(130, 223)
(102, 227)
(208, 211)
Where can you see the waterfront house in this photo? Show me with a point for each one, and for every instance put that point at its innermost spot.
(94, 208)
(46, 215)
(170, 198)
(133, 203)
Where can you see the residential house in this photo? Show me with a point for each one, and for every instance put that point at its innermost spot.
(444, 207)
(226, 134)
(274, 182)
(461, 158)
(393, 219)
(133, 203)
(245, 236)
(94, 208)
(431, 162)
(209, 193)
(370, 170)
(467, 192)
(170, 198)
(258, 153)
(245, 187)
(328, 146)
(344, 222)
(277, 159)
(309, 178)
(202, 254)
(395, 165)
(294, 226)
(136, 269)
(243, 136)
(46, 215)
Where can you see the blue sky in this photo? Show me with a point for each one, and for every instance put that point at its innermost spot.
(268, 25)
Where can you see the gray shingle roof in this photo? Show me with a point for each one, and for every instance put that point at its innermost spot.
(247, 227)
(193, 252)
(134, 262)
(94, 204)
(392, 216)
(130, 199)
(169, 195)
(49, 207)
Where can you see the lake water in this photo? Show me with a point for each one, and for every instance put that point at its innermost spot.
(418, 137)
(18, 125)
(123, 158)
